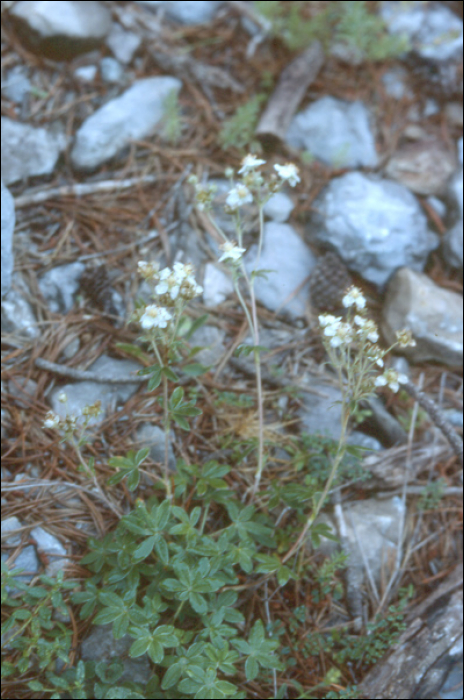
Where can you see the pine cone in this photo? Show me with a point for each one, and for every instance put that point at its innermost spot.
(328, 283)
(95, 284)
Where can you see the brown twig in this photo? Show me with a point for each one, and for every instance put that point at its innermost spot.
(79, 189)
(290, 90)
(438, 417)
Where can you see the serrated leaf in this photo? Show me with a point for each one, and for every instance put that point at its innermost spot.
(181, 421)
(247, 349)
(145, 549)
(195, 369)
(134, 351)
(169, 374)
(251, 668)
(133, 480)
(188, 411)
(196, 325)
(176, 398)
(260, 273)
(154, 382)
(152, 369)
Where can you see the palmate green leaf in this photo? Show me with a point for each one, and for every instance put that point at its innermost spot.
(153, 643)
(205, 684)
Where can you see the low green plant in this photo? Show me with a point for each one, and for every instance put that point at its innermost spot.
(349, 23)
(250, 187)
(169, 575)
(366, 649)
(432, 495)
(238, 131)
(33, 638)
(171, 123)
(166, 580)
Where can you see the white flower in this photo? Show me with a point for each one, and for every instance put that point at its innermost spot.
(405, 339)
(184, 275)
(155, 317)
(373, 335)
(147, 269)
(237, 196)
(375, 355)
(231, 252)
(51, 420)
(169, 283)
(183, 272)
(339, 332)
(204, 195)
(328, 319)
(368, 328)
(62, 397)
(392, 379)
(354, 298)
(288, 172)
(249, 162)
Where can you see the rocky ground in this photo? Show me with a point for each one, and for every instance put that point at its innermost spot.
(107, 108)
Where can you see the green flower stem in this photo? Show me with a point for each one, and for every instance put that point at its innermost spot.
(218, 228)
(336, 463)
(158, 356)
(204, 518)
(261, 231)
(94, 478)
(244, 306)
(176, 614)
(179, 310)
(253, 324)
(167, 479)
(259, 387)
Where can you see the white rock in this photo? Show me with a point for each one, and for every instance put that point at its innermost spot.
(133, 115)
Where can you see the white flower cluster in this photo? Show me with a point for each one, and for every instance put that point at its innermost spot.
(69, 424)
(171, 287)
(250, 188)
(204, 194)
(178, 282)
(361, 332)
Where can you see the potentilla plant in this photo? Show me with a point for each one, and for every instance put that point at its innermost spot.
(249, 187)
(351, 345)
(72, 429)
(172, 290)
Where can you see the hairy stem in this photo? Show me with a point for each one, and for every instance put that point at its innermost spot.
(167, 479)
(336, 463)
